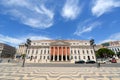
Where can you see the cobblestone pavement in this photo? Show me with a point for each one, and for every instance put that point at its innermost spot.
(58, 73)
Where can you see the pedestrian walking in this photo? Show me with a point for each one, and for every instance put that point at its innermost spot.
(8, 60)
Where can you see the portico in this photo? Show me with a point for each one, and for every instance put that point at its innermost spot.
(60, 51)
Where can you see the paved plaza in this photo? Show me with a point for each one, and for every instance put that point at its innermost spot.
(12, 71)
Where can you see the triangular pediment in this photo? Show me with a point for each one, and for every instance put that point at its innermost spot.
(60, 43)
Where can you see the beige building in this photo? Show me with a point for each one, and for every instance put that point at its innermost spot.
(21, 49)
(113, 45)
(7, 51)
(58, 51)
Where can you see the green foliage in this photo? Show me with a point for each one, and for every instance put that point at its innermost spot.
(118, 54)
(104, 53)
(92, 42)
(105, 44)
(23, 55)
(28, 41)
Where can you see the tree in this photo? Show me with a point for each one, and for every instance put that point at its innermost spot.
(92, 43)
(118, 54)
(27, 44)
(23, 56)
(104, 53)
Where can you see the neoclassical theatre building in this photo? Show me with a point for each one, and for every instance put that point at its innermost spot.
(47, 51)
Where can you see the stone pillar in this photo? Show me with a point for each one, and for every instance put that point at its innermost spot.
(62, 53)
(54, 53)
(58, 53)
(66, 53)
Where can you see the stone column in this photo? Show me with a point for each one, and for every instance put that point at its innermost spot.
(54, 53)
(66, 53)
(62, 53)
(58, 53)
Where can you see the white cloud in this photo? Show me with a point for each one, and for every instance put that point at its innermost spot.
(15, 41)
(102, 6)
(71, 9)
(34, 37)
(32, 13)
(112, 37)
(86, 27)
(11, 40)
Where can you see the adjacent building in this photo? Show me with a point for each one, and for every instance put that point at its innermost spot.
(58, 51)
(114, 46)
(7, 51)
(21, 49)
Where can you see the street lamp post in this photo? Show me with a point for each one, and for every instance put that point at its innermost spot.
(27, 44)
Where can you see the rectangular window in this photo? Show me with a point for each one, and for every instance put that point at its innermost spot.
(47, 57)
(118, 49)
(48, 51)
(74, 51)
(79, 57)
(87, 52)
(44, 51)
(44, 57)
(91, 51)
(75, 57)
(71, 51)
(41, 51)
(28, 51)
(83, 57)
(35, 57)
(32, 51)
(36, 51)
(40, 57)
(83, 52)
(78, 52)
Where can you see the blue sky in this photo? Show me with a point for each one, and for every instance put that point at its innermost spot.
(59, 19)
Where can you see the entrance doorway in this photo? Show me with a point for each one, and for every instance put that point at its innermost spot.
(55, 57)
(59, 57)
(51, 57)
(68, 57)
(88, 57)
(64, 57)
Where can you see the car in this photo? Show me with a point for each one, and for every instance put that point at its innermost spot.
(101, 62)
(90, 62)
(113, 60)
(80, 62)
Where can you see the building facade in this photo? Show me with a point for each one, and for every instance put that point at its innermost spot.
(113, 45)
(58, 51)
(7, 51)
(21, 49)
